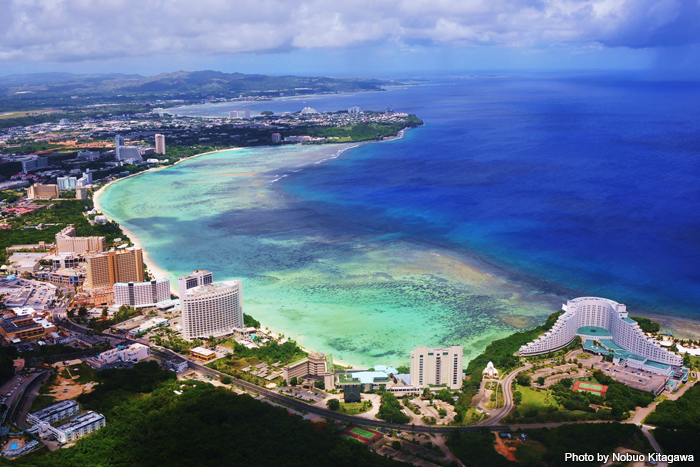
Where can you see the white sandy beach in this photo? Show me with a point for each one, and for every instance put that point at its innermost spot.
(154, 270)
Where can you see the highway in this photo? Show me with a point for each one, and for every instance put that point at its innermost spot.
(303, 406)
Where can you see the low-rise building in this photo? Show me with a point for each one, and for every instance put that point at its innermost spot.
(25, 327)
(39, 191)
(203, 354)
(177, 364)
(53, 413)
(133, 353)
(315, 366)
(79, 426)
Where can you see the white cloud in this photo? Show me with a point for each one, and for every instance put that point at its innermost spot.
(76, 30)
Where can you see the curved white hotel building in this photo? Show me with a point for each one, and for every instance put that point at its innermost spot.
(605, 321)
(211, 310)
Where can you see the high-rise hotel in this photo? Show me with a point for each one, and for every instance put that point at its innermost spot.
(437, 367)
(209, 308)
(106, 269)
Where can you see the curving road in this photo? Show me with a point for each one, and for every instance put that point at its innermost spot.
(508, 405)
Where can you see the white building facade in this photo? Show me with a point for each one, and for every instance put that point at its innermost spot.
(584, 313)
(437, 366)
(134, 353)
(141, 293)
(211, 310)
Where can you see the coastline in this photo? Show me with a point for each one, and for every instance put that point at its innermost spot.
(153, 269)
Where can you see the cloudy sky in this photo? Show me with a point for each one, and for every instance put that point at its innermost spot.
(347, 37)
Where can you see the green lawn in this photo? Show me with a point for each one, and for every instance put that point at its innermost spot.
(534, 399)
(354, 408)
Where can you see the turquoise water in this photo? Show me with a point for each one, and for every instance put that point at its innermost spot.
(519, 193)
(365, 297)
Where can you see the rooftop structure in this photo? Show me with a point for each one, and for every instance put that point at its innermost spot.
(604, 321)
(203, 353)
(54, 413)
(25, 327)
(79, 426)
(193, 280)
(133, 353)
(316, 366)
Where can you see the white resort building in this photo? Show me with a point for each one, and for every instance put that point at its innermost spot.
(605, 327)
(437, 367)
(211, 310)
(142, 293)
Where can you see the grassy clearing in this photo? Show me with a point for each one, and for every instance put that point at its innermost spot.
(535, 400)
(41, 402)
(354, 408)
(530, 452)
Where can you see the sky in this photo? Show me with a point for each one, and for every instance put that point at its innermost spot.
(348, 37)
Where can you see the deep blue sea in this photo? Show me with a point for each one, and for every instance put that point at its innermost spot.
(579, 184)
(519, 193)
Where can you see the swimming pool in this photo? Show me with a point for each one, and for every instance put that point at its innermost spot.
(13, 445)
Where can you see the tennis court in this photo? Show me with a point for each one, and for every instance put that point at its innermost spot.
(363, 435)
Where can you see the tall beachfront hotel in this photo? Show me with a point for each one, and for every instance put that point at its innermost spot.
(209, 308)
(437, 367)
(607, 323)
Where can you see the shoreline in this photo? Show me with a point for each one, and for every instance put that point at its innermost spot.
(156, 271)
(678, 326)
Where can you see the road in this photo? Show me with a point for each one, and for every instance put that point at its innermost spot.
(507, 384)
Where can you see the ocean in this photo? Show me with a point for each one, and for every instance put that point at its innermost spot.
(520, 191)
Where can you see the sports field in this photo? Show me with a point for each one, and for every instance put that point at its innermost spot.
(594, 388)
(360, 434)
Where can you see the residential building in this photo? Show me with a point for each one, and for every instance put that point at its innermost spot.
(315, 366)
(38, 191)
(606, 322)
(160, 144)
(67, 183)
(441, 366)
(276, 137)
(193, 280)
(54, 413)
(233, 114)
(247, 113)
(141, 293)
(67, 242)
(106, 269)
(79, 426)
(354, 110)
(211, 310)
